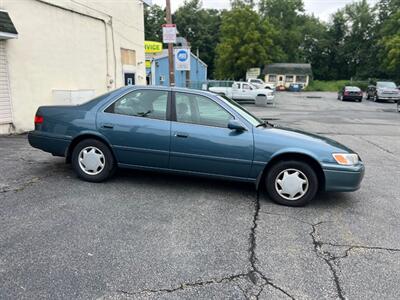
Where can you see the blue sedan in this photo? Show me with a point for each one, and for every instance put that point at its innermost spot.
(197, 133)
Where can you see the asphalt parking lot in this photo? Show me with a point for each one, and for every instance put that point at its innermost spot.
(150, 236)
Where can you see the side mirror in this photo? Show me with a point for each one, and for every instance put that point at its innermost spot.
(236, 125)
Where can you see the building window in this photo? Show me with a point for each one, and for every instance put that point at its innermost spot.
(128, 57)
(272, 78)
(289, 78)
(301, 78)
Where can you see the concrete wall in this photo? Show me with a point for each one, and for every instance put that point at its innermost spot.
(75, 48)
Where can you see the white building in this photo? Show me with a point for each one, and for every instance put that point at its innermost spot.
(65, 51)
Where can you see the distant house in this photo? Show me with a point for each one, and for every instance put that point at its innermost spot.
(157, 71)
(283, 74)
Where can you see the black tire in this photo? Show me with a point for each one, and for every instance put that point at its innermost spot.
(109, 161)
(280, 167)
(376, 98)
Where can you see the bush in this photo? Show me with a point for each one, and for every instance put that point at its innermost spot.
(334, 86)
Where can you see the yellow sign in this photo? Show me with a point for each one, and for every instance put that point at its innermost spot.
(152, 47)
(148, 64)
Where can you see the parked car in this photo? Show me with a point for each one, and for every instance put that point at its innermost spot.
(295, 87)
(243, 91)
(193, 132)
(383, 91)
(350, 93)
(260, 84)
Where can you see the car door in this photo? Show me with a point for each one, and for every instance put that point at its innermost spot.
(246, 91)
(137, 126)
(201, 141)
(236, 91)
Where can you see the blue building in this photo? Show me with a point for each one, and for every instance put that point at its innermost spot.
(157, 73)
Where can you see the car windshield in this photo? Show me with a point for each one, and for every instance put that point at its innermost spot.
(388, 84)
(241, 110)
(352, 89)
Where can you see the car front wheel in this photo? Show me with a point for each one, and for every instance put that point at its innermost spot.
(292, 183)
(93, 161)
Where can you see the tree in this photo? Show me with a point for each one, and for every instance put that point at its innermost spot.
(390, 43)
(154, 18)
(246, 41)
(201, 29)
(286, 16)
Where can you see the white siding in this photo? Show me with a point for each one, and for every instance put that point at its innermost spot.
(5, 99)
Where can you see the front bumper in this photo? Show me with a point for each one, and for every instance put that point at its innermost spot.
(343, 178)
(388, 98)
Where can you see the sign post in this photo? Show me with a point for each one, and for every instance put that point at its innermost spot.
(169, 36)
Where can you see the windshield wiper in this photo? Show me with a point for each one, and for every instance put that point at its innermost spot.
(265, 124)
(144, 114)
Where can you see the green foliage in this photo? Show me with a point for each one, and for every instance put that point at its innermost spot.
(359, 41)
(334, 85)
(246, 41)
(200, 27)
(154, 18)
(390, 44)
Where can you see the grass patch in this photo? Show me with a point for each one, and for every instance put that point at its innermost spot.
(333, 86)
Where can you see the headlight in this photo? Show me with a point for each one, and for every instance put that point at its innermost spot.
(346, 159)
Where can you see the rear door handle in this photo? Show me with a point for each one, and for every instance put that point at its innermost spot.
(107, 125)
(181, 135)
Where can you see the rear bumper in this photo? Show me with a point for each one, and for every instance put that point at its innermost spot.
(52, 144)
(343, 178)
(358, 98)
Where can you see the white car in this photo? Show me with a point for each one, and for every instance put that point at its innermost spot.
(244, 91)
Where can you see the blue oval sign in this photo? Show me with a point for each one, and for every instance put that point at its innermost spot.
(182, 55)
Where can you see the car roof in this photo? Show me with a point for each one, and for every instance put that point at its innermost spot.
(167, 88)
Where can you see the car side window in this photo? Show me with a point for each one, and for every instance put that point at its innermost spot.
(246, 87)
(200, 110)
(142, 103)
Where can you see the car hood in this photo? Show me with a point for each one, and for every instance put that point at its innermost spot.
(391, 90)
(296, 137)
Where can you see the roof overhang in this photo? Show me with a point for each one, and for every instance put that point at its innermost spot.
(7, 35)
(7, 28)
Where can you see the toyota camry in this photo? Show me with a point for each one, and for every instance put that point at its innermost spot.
(197, 133)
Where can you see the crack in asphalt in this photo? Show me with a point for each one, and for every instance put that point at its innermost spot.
(254, 274)
(258, 279)
(377, 146)
(329, 261)
(182, 286)
(253, 257)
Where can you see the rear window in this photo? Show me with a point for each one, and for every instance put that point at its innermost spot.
(352, 89)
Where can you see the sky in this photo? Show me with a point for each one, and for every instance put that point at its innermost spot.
(320, 8)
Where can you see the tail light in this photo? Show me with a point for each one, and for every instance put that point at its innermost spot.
(38, 119)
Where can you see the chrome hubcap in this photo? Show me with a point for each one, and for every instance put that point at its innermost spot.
(91, 160)
(291, 184)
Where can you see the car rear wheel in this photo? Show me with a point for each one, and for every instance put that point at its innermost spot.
(291, 183)
(93, 161)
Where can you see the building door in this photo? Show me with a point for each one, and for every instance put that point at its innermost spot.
(281, 81)
(129, 78)
(5, 98)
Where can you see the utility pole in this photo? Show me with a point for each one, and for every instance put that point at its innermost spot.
(170, 47)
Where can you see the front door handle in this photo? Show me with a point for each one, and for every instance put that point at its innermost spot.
(181, 135)
(108, 126)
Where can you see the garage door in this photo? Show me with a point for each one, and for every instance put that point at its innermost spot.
(5, 99)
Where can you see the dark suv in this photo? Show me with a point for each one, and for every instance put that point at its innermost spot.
(383, 91)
